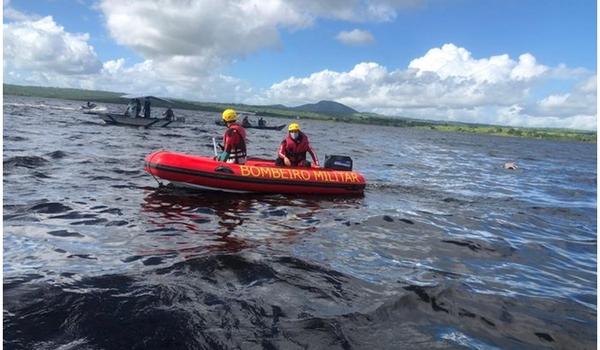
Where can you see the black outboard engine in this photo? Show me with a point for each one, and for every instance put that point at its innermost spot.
(343, 163)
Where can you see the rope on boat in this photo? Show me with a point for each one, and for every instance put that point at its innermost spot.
(160, 184)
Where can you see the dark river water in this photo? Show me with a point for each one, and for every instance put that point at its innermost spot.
(446, 249)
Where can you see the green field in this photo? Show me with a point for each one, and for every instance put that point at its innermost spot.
(268, 111)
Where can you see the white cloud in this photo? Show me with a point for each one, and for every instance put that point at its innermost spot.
(147, 77)
(447, 83)
(153, 77)
(222, 29)
(44, 46)
(16, 15)
(187, 42)
(12, 14)
(453, 61)
(355, 37)
(41, 52)
(370, 85)
(527, 68)
(518, 116)
(185, 45)
(202, 28)
(581, 101)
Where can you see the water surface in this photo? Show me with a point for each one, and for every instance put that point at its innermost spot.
(446, 249)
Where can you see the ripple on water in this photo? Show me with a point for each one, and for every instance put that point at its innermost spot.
(446, 249)
(57, 154)
(280, 301)
(14, 138)
(30, 162)
(65, 233)
(50, 208)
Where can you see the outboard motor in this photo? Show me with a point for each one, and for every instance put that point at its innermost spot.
(342, 163)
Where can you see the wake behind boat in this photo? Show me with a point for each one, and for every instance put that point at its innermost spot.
(92, 107)
(256, 176)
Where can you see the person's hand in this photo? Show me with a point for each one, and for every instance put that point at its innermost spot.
(286, 161)
(223, 157)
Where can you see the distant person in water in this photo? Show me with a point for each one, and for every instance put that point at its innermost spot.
(261, 122)
(245, 122)
(146, 107)
(130, 111)
(169, 115)
(293, 148)
(138, 107)
(234, 140)
(510, 166)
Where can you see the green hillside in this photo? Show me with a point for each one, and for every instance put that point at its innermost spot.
(68, 94)
(329, 107)
(323, 110)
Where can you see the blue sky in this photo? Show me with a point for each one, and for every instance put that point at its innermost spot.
(555, 33)
(435, 59)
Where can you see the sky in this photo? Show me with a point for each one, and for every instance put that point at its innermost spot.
(508, 62)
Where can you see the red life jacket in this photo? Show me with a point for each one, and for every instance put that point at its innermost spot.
(296, 150)
(234, 142)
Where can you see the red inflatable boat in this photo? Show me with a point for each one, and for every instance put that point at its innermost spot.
(257, 175)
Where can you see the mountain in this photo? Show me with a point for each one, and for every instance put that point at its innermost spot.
(325, 107)
(277, 106)
(326, 110)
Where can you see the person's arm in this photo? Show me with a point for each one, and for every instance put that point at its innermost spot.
(281, 151)
(224, 154)
(313, 155)
(281, 154)
(231, 138)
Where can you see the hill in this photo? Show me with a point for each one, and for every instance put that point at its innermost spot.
(323, 110)
(327, 107)
(324, 107)
(64, 93)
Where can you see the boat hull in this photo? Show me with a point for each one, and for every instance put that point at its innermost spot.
(272, 127)
(256, 176)
(119, 119)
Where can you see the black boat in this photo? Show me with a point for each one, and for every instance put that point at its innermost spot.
(128, 120)
(120, 119)
(250, 126)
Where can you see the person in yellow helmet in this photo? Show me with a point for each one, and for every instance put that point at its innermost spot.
(234, 140)
(293, 148)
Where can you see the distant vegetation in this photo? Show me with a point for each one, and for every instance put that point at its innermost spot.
(536, 133)
(323, 110)
(325, 107)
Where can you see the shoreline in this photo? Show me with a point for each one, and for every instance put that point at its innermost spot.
(356, 118)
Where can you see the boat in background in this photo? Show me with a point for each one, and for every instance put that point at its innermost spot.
(88, 106)
(263, 127)
(126, 119)
(92, 107)
(120, 119)
(256, 176)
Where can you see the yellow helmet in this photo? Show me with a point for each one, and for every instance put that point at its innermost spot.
(229, 115)
(294, 127)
